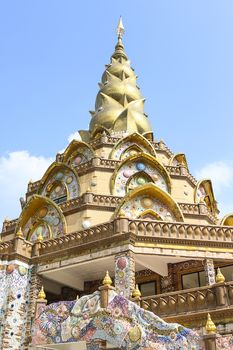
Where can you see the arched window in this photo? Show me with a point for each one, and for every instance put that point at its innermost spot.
(41, 217)
(138, 179)
(57, 191)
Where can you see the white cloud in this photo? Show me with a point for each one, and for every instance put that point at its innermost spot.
(221, 175)
(74, 136)
(16, 169)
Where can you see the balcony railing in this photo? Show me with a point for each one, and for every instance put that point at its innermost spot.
(217, 296)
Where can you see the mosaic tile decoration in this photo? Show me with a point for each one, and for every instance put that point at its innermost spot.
(224, 343)
(81, 155)
(124, 274)
(201, 193)
(135, 173)
(62, 184)
(46, 221)
(123, 324)
(14, 301)
(135, 207)
(127, 149)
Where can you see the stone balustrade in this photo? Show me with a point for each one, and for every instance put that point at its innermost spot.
(197, 209)
(214, 297)
(75, 239)
(183, 231)
(140, 231)
(16, 246)
(34, 186)
(9, 225)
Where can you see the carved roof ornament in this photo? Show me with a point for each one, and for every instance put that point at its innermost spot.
(107, 281)
(210, 326)
(41, 295)
(219, 277)
(136, 294)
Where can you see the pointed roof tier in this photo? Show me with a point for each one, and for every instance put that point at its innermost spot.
(119, 105)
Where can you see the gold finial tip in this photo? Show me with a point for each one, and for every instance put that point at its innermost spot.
(107, 281)
(19, 233)
(42, 295)
(40, 238)
(120, 28)
(136, 294)
(219, 277)
(210, 326)
(121, 214)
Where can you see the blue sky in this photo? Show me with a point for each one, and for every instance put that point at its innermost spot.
(52, 56)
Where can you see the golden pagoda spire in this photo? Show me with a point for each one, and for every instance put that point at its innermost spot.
(119, 107)
(120, 28)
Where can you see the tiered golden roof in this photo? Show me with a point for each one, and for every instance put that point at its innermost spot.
(119, 106)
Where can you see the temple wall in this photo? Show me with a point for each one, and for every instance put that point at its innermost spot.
(76, 221)
(182, 191)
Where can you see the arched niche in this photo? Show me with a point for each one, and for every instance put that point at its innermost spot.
(41, 217)
(99, 131)
(131, 145)
(130, 169)
(77, 153)
(149, 199)
(149, 135)
(178, 159)
(204, 194)
(138, 179)
(227, 220)
(59, 183)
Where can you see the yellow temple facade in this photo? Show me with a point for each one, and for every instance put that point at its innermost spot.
(117, 200)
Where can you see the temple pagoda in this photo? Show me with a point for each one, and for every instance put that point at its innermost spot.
(117, 200)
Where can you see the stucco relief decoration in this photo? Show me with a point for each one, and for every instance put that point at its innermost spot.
(14, 301)
(123, 324)
(135, 207)
(136, 173)
(62, 185)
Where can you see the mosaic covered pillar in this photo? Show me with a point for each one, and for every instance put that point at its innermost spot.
(36, 284)
(14, 301)
(209, 271)
(125, 273)
(167, 283)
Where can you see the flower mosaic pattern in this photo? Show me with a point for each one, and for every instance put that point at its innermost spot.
(135, 207)
(14, 301)
(46, 221)
(122, 323)
(145, 172)
(61, 185)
